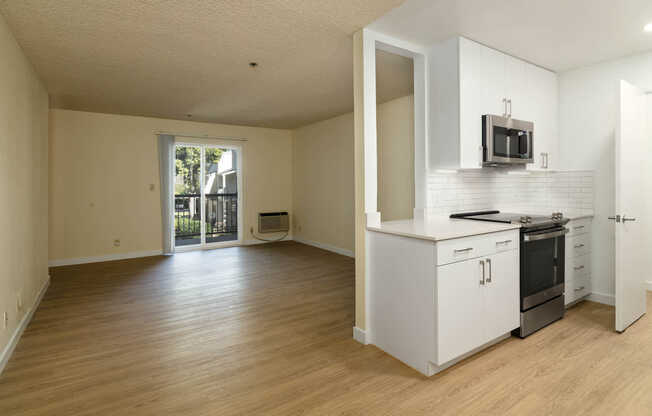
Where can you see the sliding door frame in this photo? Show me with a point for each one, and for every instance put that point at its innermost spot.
(203, 145)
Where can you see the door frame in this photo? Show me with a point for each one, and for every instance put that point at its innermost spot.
(627, 310)
(218, 144)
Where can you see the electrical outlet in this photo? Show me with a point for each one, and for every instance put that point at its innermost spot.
(116, 242)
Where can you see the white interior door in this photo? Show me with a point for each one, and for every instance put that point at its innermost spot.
(631, 194)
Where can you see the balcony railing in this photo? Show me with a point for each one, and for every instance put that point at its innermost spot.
(221, 218)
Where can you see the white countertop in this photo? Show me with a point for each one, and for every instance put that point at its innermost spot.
(441, 227)
(577, 215)
(438, 228)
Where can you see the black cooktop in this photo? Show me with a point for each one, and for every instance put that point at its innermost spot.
(527, 221)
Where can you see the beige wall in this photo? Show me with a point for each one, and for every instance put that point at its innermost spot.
(23, 183)
(102, 165)
(323, 174)
(395, 141)
(323, 182)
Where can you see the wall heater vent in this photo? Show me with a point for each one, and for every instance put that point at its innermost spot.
(272, 222)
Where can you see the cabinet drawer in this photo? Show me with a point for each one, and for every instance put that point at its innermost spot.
(581, 286)
(577, 227)
(578, 245)
(578, 266)
(503, 241)
(450, 251)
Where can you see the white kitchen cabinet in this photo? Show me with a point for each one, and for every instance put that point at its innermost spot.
(469, 80)
(544, 99)
(477, 301)
(461, 309)
(502, 295)
(577, 270)
(433, 303)
(482, 90)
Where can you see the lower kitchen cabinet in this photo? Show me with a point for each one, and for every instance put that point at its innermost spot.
(434, 303)
(461, 305)
(477, 301)
(577, 272)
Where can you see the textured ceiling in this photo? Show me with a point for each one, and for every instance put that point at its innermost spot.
(170, 58)
(556, 34)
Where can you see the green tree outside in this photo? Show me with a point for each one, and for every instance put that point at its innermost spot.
(188, 166)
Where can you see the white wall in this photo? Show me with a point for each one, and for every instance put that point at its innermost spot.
(23, 183)
(588, 117)
(535, 193)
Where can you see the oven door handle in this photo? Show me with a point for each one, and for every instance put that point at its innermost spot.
(536, 237)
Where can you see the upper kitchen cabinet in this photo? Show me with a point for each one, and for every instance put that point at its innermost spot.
(469, 80)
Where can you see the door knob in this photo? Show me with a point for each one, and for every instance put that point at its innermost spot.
(625, 219)
(617, 218)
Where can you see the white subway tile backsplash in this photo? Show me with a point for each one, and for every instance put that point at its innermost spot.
(531, 192)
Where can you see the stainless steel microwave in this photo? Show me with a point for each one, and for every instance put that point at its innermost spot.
(506, 141)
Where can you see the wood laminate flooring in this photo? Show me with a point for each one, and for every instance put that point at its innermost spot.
(267, 330)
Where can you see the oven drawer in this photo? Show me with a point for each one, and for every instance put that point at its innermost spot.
(458, 249)
(579, 245)
(577, 227)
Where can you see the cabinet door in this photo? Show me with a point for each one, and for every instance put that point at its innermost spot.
(518, 89)
(545, 117)
(502, 294)
(482, 90)
(461, 322)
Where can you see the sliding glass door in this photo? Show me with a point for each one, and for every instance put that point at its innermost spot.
(206, 195)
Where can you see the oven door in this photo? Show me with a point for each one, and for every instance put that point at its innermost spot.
(542, 266)
(506, 141)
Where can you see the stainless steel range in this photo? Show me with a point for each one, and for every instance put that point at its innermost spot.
(542, 265)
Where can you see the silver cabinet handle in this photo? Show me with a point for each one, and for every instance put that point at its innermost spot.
(462, 250)
(482, 266)
(578, 268)
(579, 245)
(509, 102)
(489, 264)
(505, 106)
(625, 219)
(543, 160)
(579, 288)
(579, 227)
(503, 242)
(616, 218)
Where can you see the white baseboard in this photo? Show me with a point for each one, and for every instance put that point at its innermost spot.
(254, 241)
(138, 254)
(602, 298)
(327, 247)
(108, 257)
(13, 341)
(359, 335)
